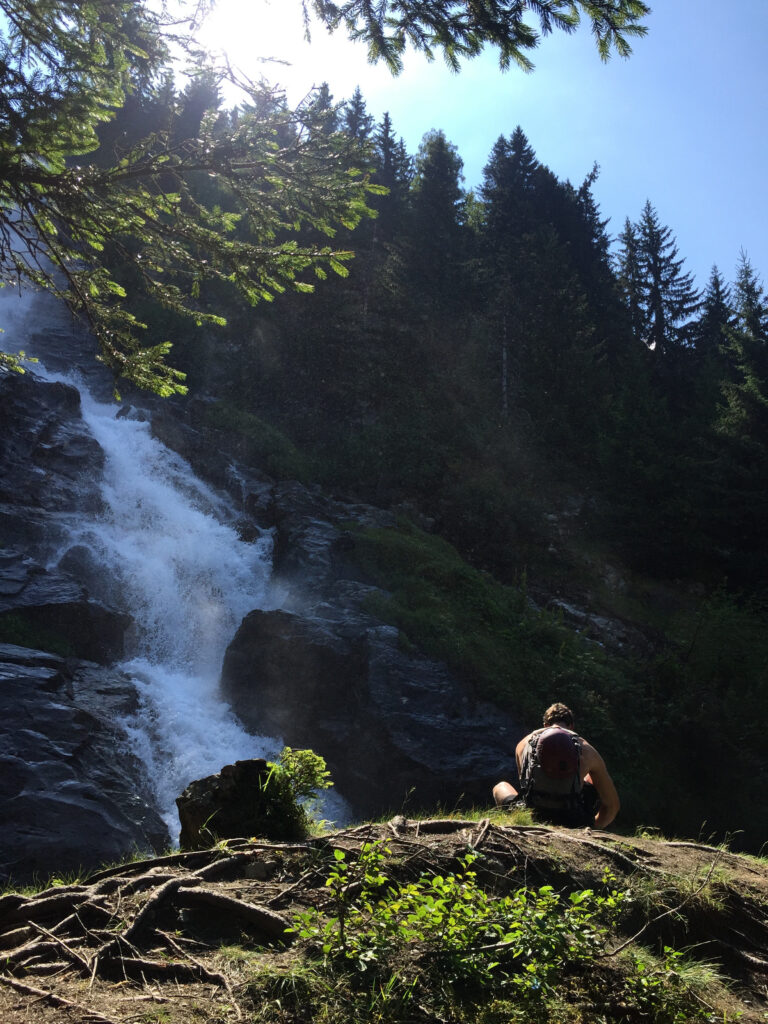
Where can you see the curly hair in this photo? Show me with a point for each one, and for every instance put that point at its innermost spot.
(559, 714)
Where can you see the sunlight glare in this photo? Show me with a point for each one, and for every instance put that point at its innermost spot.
(252, 30)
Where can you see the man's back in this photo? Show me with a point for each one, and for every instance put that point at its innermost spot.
(562, 776)
(591, 769)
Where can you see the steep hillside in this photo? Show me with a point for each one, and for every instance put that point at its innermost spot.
(407, 921)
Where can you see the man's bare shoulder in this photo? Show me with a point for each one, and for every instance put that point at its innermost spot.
(590, 758)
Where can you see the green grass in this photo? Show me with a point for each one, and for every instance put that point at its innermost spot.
(265, 445)
(489, 633)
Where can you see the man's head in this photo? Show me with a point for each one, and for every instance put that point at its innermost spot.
(558, 714)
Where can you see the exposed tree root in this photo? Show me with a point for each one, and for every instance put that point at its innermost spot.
(163, 920)
(93, 1016)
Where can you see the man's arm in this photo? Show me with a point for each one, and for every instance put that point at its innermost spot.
(595, 768)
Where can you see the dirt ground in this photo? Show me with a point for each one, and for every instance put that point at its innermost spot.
(160, 941)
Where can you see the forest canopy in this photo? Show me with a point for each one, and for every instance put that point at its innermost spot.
(252, 200)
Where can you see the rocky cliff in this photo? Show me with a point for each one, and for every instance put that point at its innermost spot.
(317, 669)
(71, 794)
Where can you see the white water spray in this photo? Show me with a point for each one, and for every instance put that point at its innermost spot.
(166, 543)
(168, 554)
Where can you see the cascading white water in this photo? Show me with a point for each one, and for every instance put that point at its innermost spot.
(179, 568)
(167, 554)
(172, 559)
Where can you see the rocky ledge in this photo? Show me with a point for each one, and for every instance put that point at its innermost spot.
(71, 794)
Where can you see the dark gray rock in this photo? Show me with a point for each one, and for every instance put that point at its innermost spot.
(240, 800)
(72, 796)
(48, 461)
(58, 604)
(396, 729)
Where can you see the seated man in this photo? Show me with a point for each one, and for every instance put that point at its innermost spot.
(563, 779)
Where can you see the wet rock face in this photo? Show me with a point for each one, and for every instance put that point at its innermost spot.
(35, 600)
(49, 463)
(71, 795)
(50, 468)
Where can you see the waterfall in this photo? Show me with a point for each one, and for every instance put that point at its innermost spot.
(164, 549)
(169, 555)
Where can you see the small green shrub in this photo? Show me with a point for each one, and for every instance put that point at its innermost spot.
(664, 988)
(290, 790)
(444, 942)
(521, 940)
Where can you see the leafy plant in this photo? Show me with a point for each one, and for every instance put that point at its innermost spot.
(289, 791)
(304, 771)
(661, 987)
(473, 937)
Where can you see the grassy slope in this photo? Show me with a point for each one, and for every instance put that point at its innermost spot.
(656, 714)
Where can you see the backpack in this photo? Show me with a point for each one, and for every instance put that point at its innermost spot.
(550, 774)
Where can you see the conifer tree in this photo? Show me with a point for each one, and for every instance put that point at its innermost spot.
(710, 335)
(751, 303)
(461, 28)
(356, 122)
(394, 170)
(737, 503)
(668, 296)
(745, 413)
(543, 249)
(631, 281)
(437, 206)
(326, 115)
(717, 315)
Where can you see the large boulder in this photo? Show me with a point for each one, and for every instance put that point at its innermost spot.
(397, 729)
(72, 795)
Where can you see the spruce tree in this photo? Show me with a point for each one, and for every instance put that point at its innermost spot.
(355, 119)
(668, 296)
(710, 334)
(745, 413)
(393, 169)
(461, 28)
(631, 281)
(435, 225)
(738, 503)
(717, 316)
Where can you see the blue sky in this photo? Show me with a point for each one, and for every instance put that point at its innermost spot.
(682, 122)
